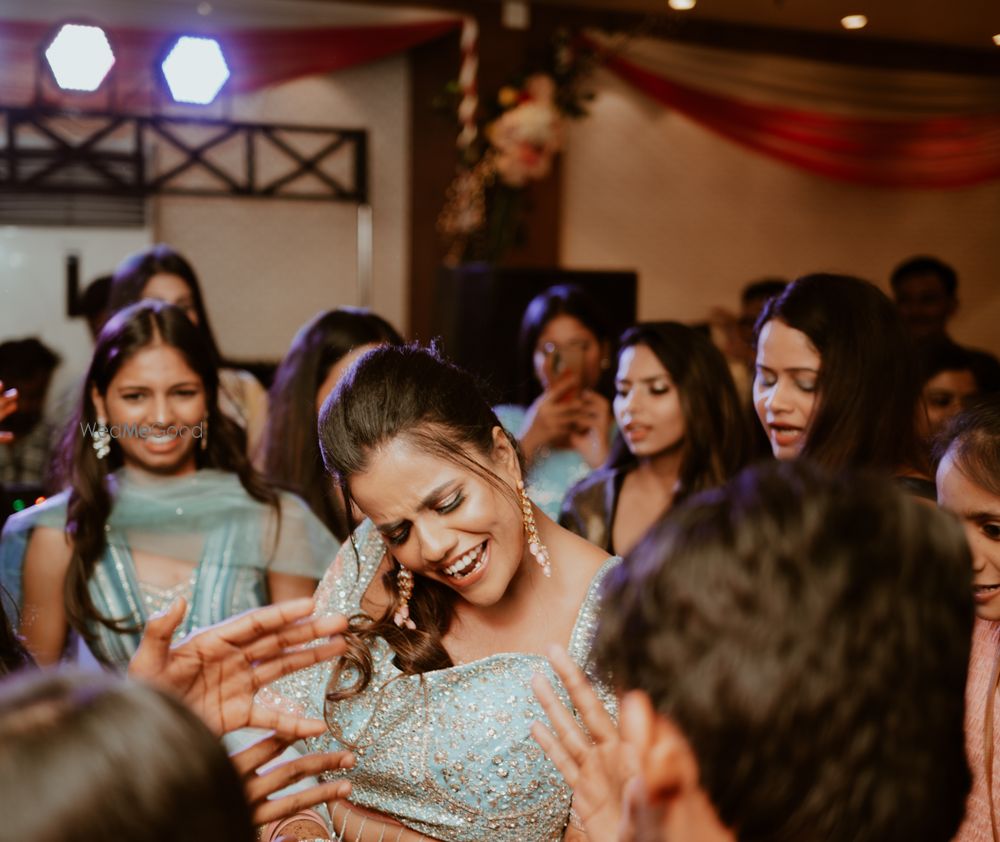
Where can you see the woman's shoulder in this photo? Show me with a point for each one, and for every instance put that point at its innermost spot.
(51, 512)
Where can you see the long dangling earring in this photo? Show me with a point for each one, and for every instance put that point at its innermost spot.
(204, 434)
(404, 583)
(102, 438)
(535, 545)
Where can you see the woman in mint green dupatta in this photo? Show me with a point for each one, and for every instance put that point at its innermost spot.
(161, 502)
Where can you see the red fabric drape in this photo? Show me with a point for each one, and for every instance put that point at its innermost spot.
(256, 57)
(935, 152)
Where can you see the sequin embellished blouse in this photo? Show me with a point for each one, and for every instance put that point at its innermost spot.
(448, 753)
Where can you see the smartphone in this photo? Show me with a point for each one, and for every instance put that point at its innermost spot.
(568, 358)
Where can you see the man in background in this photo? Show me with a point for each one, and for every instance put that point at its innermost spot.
(27, 366)
(926, 293)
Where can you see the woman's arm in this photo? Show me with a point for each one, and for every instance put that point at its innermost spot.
(43, 615)
(357, 824)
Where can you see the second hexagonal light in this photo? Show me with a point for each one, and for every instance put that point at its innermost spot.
(195, 70)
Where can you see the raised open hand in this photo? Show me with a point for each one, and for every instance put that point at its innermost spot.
(260, 784)
(596, 767)
(217, 670)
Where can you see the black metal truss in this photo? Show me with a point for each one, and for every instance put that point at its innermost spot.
(108, 153)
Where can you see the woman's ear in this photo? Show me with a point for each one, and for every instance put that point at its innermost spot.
(98, 402)
(667, 765)
(505, 454)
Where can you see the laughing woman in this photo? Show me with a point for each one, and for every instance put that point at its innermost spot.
(456, 584)
(161, 502)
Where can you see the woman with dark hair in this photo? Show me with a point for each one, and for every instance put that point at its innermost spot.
(835, 379)
(948, 384)
(322, 351)
(564, 424)
(681, 430)
(163, 274)
(161, 502)
(456, 584)
(968, 484)
(95, 757)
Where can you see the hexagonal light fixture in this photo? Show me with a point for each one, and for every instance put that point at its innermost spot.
(195, 70)
(80, 57)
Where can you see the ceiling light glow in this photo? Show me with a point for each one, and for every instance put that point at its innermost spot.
(854, 22)
(80, 57)
(996, 39)
(681, 5)
(195, 70)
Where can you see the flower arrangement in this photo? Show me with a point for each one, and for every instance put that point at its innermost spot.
(522, 132)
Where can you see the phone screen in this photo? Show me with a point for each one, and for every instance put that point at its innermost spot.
(568, 358)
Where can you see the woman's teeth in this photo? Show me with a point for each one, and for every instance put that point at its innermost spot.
(467, 564)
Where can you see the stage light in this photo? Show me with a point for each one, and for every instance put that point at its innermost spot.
(80, 57)
(854, 22)
(195, 70)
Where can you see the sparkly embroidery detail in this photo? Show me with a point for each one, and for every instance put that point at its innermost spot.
(449, 753)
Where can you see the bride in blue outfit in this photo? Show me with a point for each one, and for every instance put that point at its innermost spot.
(456, 583)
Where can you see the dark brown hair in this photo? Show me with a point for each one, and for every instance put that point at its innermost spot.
(716, 437)
(131, 276)
(822, 624)
(868, 386)
(559, 300)
(973, 439)
(13, 654)
(90, 501)
(88, 757)
(405, 391)
(291, 446)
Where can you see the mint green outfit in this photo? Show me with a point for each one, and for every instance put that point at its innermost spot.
(447, 753)
(205, 519)
(552, 472)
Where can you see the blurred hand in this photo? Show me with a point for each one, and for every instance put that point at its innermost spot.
(260, 784)
(596, 767)
(590, 434)
(217, 670)
(552, 417)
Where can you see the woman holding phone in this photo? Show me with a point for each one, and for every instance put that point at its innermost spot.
(564, 431)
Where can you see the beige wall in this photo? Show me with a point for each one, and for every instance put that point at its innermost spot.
(698, 216)
(268, 265)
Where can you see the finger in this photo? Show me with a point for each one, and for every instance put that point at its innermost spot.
(289, 805)
(251, 758)
(554, 750)
(285, 774)
(272, 670)
(284, 724)
(254, 624)
(566, 728)
(163, 625)
(594, 715)
(295, 634)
